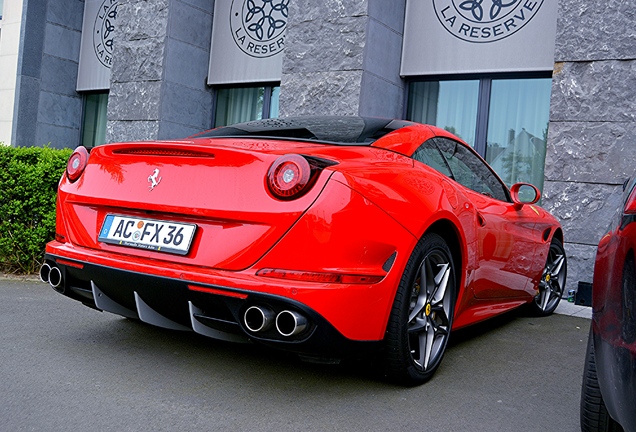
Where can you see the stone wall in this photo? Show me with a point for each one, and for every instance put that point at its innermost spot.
(158, 78)
(10, 27)
(343, 57)
(47, 107)
(592, 134)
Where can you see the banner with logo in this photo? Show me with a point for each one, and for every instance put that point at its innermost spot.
(248, 39)
(96, 49)
(472, 36)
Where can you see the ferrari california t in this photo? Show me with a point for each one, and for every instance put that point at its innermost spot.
(329, 237)
(608, 394)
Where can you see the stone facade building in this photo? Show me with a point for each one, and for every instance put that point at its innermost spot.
(592, 135)
(162, 63)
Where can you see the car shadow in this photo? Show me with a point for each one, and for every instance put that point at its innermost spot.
(474, 331)
(138, 342)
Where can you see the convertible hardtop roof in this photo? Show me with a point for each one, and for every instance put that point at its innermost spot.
(342, 130)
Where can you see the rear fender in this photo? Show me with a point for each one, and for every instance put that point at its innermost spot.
(345, 233)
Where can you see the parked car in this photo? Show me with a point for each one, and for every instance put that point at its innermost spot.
(608, 396)
(325, 236)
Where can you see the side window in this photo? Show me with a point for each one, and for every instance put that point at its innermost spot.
(469, 170)
(429, 154)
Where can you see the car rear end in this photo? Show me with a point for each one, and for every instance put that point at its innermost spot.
(234, 238)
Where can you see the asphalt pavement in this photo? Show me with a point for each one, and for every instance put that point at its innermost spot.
(65, 367)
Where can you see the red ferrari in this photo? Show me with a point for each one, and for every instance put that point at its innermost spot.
(325, 236)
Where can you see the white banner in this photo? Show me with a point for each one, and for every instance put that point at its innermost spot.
(473, 36)
(96, 50)
(248, 39)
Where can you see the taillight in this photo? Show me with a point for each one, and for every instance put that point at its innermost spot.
(630, 205)
(292, 175)
(289, 177)
(77, 163)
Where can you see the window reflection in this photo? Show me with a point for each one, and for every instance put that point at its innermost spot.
(241, 104)
(518, 129)
(94, 123)
(469, 170)
(236, 105)
(505, 119)
(273, 109)
(450, 105)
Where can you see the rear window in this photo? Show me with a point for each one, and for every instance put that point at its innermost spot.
(345, 130)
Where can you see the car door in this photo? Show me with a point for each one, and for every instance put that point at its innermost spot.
(506, 233)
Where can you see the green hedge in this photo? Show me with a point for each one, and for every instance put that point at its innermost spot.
(28, 187)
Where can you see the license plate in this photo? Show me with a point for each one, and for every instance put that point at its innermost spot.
(149, 234)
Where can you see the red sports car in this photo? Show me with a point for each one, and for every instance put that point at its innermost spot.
(325, 236)
(608, 395)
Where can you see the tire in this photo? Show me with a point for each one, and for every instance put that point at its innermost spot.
(420, 322)
(594, 415)
(552, 284)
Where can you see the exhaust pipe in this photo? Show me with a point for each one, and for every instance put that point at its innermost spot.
(258, 318)
(290, 323)
(52, 275)
(45, 271)
(55, 277)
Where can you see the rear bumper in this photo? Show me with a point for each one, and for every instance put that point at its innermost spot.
(174, 299)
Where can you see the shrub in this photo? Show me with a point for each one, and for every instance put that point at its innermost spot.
(28, 188)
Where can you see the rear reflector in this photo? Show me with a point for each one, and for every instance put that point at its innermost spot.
(70, 263)
(319, 277)
(217, 292)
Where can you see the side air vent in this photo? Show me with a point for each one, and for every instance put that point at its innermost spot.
(546, 234)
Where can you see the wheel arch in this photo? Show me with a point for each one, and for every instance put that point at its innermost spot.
(448, 231)
(441, 239)
(558, 234)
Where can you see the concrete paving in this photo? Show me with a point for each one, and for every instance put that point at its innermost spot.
(571, 309)
(65, 367)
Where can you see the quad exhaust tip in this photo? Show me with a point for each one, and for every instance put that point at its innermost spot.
(53, 276)
(258, 318)
(290, 323)
(45, 270)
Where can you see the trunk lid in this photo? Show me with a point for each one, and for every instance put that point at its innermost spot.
(219, 185)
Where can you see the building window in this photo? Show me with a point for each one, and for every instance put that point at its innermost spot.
(94, 124)
(241, 104)
(504, 117)
(451, 105)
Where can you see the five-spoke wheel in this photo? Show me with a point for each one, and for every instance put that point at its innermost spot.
(552, 281)
(422, 313)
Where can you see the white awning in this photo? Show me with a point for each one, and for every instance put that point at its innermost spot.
(98, 31)
(248, 39)
(460, 36)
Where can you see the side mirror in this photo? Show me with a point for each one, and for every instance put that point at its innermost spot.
(524, 193)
